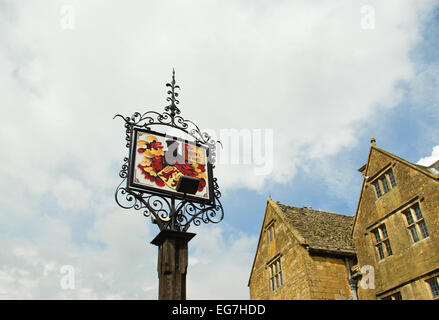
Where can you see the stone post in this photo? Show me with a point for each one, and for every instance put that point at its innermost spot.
(172, 263)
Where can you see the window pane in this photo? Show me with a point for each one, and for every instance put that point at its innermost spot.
(434, 287)
(388, 248)
(408, 216)
(414, 233)
(423, 228)
(392, 179)
(377, 235)
(276, 274)
(418, 212)
(385, 185)
(377, 189)
(397, 296)
(384, 231)
(380, 251)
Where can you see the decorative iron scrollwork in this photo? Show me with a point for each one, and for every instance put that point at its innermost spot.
(167, 211)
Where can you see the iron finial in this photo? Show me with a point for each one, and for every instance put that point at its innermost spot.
(173, 97)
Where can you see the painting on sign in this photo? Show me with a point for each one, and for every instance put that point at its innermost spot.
(159, 161)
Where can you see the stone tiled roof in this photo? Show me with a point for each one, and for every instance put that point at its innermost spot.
(435, 165)
(434, 168)
(321, 230)
(421, 167)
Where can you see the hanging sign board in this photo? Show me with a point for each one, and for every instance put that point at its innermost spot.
(158, 162)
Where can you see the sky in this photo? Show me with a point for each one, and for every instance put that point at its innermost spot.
(310, 82)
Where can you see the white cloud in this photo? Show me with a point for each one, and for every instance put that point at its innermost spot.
(126, 264)
(223, 264)
(114, 268)
(429, 160)
(305, 69)
(71, 194)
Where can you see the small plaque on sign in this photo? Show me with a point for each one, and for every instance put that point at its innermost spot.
(188, 185)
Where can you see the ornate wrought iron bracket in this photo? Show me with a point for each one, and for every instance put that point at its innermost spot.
(168, 212)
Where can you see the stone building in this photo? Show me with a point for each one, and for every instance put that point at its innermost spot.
(396, 227)
(302, 254)
(388, 250)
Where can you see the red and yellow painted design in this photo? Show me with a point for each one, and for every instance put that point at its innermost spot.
(158, 172)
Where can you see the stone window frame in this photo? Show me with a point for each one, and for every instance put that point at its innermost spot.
(433, 284)
(415, 222)
(275, 273)
(271, 230)
(384, 180)
(383, 249)
(417, 198)
(394, 296)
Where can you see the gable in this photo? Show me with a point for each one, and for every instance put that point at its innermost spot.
(378, 162)
(273, 214)
(267, 218)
